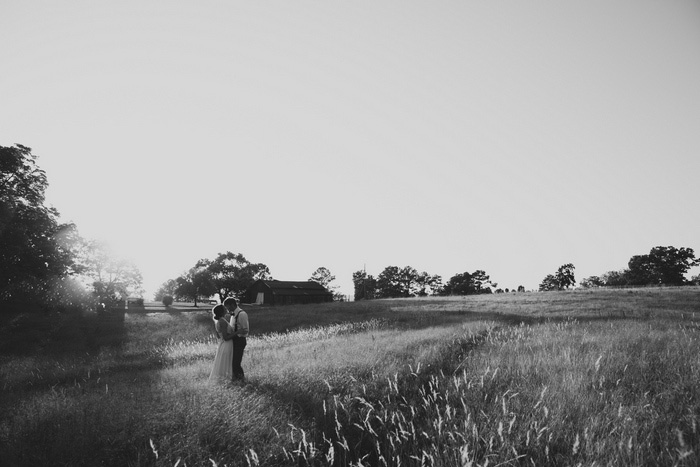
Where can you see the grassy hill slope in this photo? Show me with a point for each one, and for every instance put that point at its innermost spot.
(606, 377)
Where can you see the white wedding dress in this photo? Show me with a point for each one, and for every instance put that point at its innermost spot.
(222, 370)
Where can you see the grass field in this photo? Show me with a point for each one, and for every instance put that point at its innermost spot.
(604, 377)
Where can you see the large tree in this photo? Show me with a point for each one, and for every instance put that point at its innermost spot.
(195, 283)
(388, 283)
(232, 274)
(459, 284)
(468, 283)
(565, 276)
(664, 265)
(562, 279)
(395, 282)
(32, 246)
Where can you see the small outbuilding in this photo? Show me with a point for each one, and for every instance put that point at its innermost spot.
(273, 292)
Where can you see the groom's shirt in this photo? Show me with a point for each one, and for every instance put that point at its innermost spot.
(239, 322)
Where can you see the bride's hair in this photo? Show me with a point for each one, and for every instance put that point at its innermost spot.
(218, 311)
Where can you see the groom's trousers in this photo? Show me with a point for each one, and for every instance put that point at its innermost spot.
(239, 344)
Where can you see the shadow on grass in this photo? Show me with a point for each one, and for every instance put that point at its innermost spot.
(58, 334)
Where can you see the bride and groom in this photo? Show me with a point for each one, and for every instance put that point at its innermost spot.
(232, 328)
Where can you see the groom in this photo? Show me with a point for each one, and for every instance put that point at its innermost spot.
(239, 323)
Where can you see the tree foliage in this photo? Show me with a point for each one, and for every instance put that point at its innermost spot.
(232, 274)
(592, 282)
(324, 277)
(562, 279)
(390, 283)
(365, 286)
(664, 265)
(615, 278)
(112, 279)
(196, 282)
(228, 275)
(167, 288)
(469, 283)
(34, 247)
(394, 282)
(428, 284)
(549, 283)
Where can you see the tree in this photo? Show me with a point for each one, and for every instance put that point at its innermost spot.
(324, 277)
(662, 266)
(395, 282)
(459, 284)
(562, 279)
(365, 286)
(469, 283)
(232, 274)
(428, 284)
(549, 283)
(196, 282)
(388, 285)
(34, 247)
(112, 279)
(480, 280)
(166, 288)
(408, 279)
(592, 281)
(616, 278)
(565, 276)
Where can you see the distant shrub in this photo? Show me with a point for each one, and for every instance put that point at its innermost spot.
(167, 300)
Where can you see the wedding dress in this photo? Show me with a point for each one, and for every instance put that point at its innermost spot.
(222, 370)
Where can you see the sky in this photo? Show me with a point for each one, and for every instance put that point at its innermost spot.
(449, 136)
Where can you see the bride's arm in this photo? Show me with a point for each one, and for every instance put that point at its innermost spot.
(227, 333)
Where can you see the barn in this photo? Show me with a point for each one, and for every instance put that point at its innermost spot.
(273, 292)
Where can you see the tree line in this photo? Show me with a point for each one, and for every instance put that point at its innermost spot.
(49, 264)
(45, 263)
(662, 266)
(227, 275)
(396, 282)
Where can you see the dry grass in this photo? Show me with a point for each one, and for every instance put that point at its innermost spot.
(583, 378)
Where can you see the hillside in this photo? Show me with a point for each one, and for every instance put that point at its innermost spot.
(605, 377)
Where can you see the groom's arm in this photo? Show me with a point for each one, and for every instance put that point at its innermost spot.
(243, 327)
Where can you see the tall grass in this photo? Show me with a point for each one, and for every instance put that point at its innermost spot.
(605, 378)
(552, 394)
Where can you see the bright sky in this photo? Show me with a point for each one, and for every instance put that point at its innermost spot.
(449, 136)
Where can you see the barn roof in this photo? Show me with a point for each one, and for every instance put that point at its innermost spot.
(295, 287)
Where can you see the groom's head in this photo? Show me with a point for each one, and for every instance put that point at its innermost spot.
(231, 303)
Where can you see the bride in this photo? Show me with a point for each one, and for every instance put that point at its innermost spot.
(222, 370)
